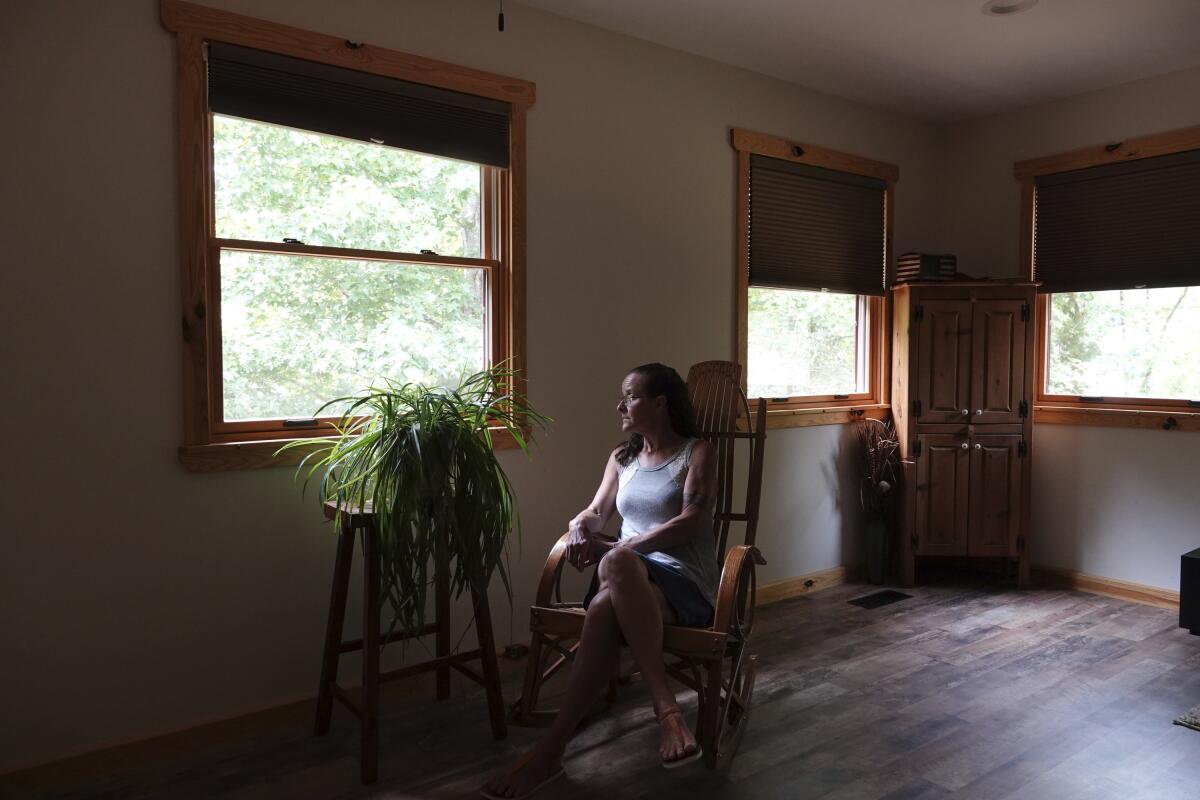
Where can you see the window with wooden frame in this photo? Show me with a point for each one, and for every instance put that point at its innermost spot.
(1112, 233)
(348, 215)
(813, 241)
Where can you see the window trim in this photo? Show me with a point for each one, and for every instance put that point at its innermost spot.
(1126, 412)
(814, 409)
(206, 447)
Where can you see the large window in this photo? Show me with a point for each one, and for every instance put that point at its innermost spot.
(813, 238)
(297, 328)
(349, 215)
(1113, 235)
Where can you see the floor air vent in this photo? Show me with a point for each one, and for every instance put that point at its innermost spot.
(884, 598)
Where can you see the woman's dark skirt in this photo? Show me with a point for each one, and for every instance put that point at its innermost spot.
(691, 607)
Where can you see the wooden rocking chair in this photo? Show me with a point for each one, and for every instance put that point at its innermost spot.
(712, 661)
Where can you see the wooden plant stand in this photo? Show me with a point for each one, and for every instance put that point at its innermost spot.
(367, 710)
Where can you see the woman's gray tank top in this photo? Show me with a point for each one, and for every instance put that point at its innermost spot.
(648, 497)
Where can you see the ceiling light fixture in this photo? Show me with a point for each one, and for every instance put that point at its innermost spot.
(1006, 8)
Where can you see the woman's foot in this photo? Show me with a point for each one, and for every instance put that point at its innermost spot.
(676, 744)
(526, 775)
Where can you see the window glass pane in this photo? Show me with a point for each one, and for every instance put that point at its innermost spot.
(802, 343)
(1132, 343)
(298, 331)
(274, 183)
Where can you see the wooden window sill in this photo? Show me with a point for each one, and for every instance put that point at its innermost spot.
(830, 415)
(1117, 417)
(229, 456)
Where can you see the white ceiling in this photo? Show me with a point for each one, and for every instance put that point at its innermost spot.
(943, 60)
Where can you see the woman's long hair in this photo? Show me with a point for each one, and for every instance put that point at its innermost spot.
(659, 379)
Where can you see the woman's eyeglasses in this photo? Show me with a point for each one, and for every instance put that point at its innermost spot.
(627, 399)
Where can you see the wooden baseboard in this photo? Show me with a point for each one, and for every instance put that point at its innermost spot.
(775, 591)
(1109, 587)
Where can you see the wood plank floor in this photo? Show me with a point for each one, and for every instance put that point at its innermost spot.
(959, 692)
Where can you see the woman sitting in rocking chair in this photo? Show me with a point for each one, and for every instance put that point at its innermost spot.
(662, 570)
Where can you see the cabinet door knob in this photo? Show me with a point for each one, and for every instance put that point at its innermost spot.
(979, 412)
(965, 445)
(966, 412)
(978, 446)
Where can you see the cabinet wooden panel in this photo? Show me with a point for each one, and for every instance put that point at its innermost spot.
(998, 360)
(995, 495)
(943, 360)
(942, 495)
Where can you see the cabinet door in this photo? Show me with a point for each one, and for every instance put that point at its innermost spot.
(998, 360)
(996, 472)
(942, 472)
(943, 361)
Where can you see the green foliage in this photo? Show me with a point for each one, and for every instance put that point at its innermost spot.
(274, 183)
(298, 330)
(801, 342)
(1134, 343)
(421, 459)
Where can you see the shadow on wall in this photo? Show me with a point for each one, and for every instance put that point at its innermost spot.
(842, 478)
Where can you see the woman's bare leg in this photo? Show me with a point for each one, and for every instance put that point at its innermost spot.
(641, 610)
(595, 662)
(593, 666)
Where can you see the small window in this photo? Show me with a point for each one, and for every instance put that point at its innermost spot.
(802, 343)
(1140, 343)
(1113, 238)
(813, 250)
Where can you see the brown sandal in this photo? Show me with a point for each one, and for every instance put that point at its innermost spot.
(673, 718)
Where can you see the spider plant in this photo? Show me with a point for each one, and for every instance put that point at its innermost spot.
(421, 459)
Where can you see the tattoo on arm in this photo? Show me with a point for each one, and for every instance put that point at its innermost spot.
(698, 499)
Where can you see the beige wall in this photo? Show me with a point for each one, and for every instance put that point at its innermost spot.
(136, 598)
(1114, 502)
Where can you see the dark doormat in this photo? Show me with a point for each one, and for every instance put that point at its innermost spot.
(884, 598)
(1191, 719)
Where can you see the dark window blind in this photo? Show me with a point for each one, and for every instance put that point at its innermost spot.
(1119, 226)
(356, 105)
(815, 228)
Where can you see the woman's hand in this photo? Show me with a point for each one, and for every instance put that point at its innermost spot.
(578, 545)
(585, 542)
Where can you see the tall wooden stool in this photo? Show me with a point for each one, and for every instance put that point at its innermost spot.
(367, 711)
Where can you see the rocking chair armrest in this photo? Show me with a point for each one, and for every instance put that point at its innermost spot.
(737, 560)
(552, 571)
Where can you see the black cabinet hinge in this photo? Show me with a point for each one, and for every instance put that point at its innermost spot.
(916, 408)
(1022, 448)
(916, 448)
(1025, 312)
(1020, 544)
(913, 541)
(1023, 408)
(919, 313)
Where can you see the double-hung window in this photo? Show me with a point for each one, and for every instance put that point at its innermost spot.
(1113, 236)
(813, 239)
(350, 216)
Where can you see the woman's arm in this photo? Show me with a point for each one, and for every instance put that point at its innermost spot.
(699, 490)
(585, 528)
(601, 509)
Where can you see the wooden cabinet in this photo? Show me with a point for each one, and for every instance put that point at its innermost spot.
(962, 371)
